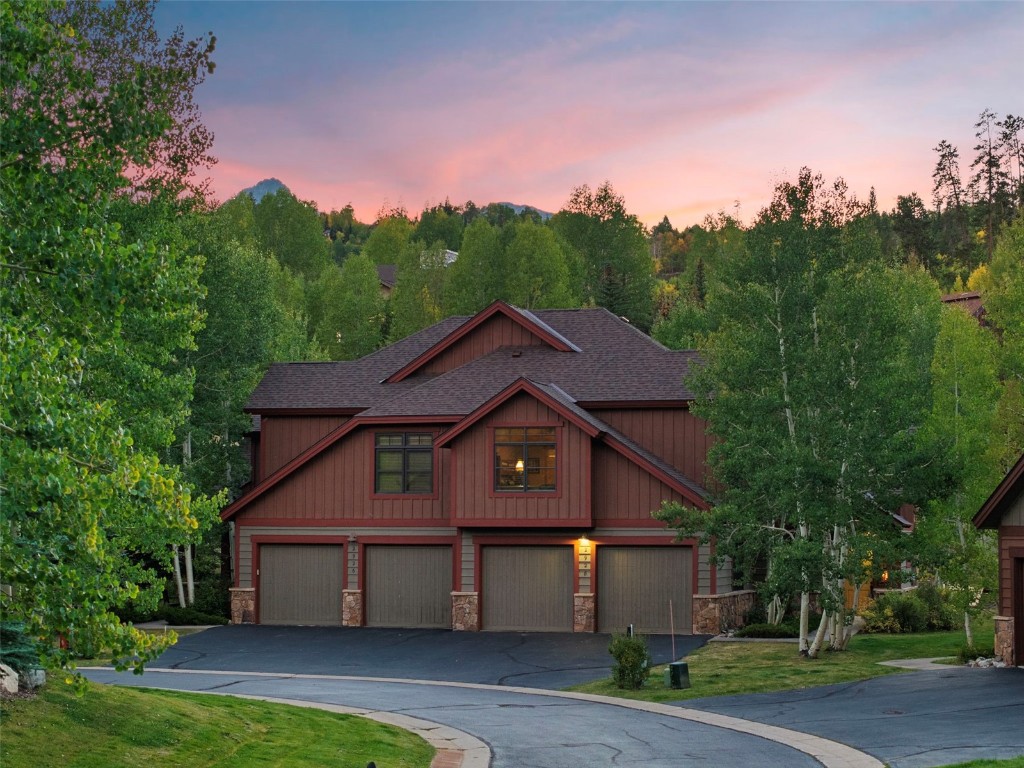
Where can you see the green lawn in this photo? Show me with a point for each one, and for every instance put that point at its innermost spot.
(725, 668)
(111, 726)
(1013, 762)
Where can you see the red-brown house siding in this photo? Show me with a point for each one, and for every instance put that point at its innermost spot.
(674, 434)
(1011, 544)
(337, 487)
(497, 331)
(282, 438)
(625, 493)
(474, 502)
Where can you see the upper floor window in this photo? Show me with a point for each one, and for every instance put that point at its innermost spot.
(404, 462)
(524, 458)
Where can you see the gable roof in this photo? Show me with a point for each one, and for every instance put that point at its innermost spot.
(606, 360)
(527, 320)
(1006, 493)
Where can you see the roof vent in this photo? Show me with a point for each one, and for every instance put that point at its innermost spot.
(517, 353)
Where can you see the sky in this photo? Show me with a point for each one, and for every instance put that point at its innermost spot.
(687, 108)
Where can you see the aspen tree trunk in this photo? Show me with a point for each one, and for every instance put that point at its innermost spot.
(177, 578)
(186, 459)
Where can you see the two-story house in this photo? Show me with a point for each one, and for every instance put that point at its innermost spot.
(494, 472)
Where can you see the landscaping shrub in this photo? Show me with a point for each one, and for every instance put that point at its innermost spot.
(632, 661)
(17, 650)
(941, 615)
(971, 652)
(182, 617)
(213, 598)
(896, 613)
(788, 628)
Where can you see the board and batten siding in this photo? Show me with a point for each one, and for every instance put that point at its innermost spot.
(281, 534)
(475, 501)
(1011, 537)
(282, 438)
(623, 491)
(673, 434)
(338, 485)
(498, 331)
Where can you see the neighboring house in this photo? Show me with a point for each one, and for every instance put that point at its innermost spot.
(386, 276)
(1004, 511)
(495, 472)
(969, 301)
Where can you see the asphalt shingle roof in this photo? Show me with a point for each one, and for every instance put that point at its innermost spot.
(615, 362)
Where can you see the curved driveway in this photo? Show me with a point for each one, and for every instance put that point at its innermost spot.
(910, 721)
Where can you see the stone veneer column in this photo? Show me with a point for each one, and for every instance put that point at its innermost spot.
(714, 614)
(351, 608)
(1004, 644)
(465, 611)
(583, 612)
(243, 605)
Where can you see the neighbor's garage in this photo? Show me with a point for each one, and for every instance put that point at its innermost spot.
(301, 583)
(408, 586)
(527, 588)
(635, 585)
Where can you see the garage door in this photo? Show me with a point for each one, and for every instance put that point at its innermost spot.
(408, 586)
(527, 588)
(301, 583)
(635, 585)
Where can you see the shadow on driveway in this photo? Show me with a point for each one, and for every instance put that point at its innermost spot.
(537, 660)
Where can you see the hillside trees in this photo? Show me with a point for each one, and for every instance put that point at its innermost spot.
(958, 433)
(813, 400)
(610, 244)
(293, 231)
(94, 107)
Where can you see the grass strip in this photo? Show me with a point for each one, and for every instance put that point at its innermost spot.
(112, 727)
(728, 668)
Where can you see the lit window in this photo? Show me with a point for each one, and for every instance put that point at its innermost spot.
(404, 462)
(524, 459)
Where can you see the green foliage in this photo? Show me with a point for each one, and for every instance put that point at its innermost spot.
(185, 617)
(538, 273)
(478, 277)
(293, 231)
(789, 628)
(347, 309)
(941, 614)
(609, 254)
(17, 650)
(969, 652)
(814, 401)
(895, 613)
(632, 661)
(94, 108)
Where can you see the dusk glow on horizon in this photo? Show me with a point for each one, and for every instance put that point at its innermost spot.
(687, 108)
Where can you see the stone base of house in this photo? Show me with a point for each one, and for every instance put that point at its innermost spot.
(1004, 641)
(583, 612)
(465, 611)
(714, 614)
(243, 605)
(351, 608)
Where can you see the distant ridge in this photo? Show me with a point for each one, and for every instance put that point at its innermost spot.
(265, 187)
(520, 208)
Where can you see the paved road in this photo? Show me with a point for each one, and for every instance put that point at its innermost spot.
(913, 720)
(532, 659)
(522, 730)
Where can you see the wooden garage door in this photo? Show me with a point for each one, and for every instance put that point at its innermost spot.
(408, 586)
(301, 583)
(527, 588)
(635, 584)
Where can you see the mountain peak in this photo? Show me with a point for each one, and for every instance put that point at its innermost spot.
(265, 187)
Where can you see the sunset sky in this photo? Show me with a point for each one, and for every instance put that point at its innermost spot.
(687, 108)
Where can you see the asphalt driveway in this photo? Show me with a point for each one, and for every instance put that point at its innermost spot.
(530, 659)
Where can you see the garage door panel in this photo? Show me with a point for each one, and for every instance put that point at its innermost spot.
(635, 585)
(301, 583)
(527, 588)
(409, 586)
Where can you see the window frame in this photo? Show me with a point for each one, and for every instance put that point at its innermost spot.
(553, 442)
(404, 448)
